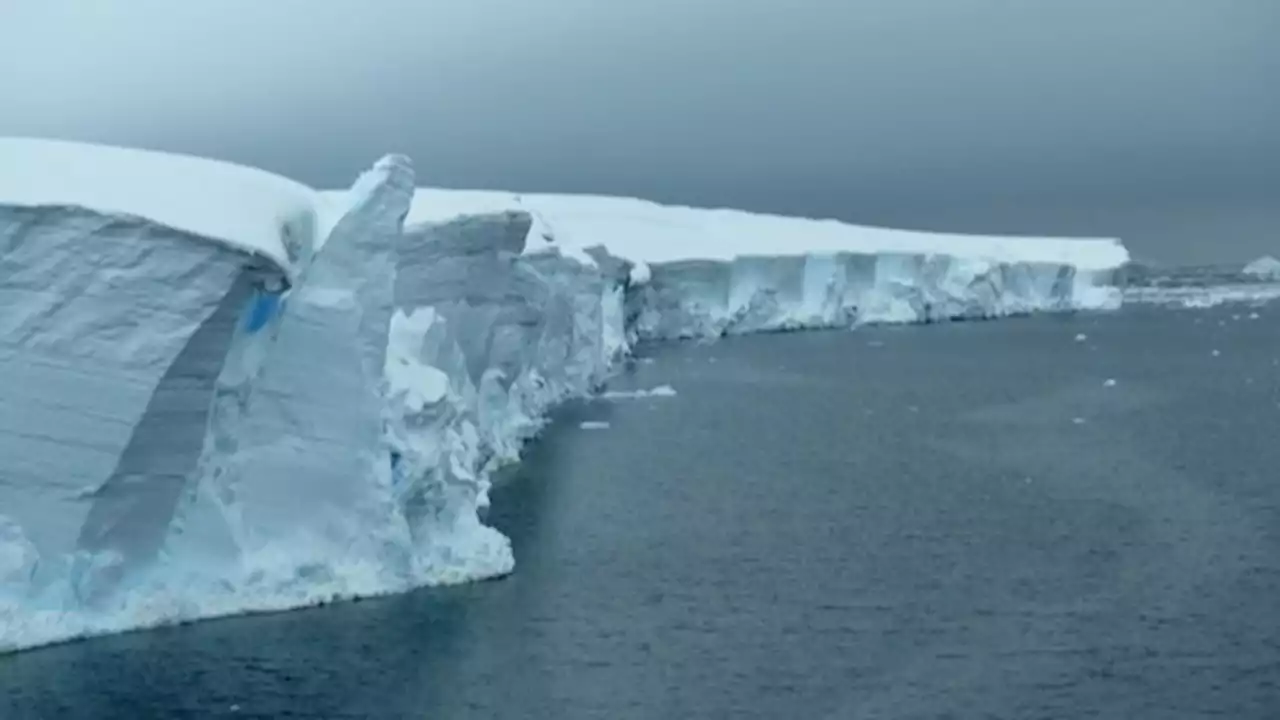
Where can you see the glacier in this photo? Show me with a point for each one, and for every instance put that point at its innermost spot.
(223, 392)
(700, 273)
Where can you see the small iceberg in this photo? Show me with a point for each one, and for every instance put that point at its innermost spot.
(660, 391)
(1264, 268)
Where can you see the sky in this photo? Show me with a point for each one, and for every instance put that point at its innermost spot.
(1156, 121)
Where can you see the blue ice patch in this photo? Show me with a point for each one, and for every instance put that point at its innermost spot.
(264, 307)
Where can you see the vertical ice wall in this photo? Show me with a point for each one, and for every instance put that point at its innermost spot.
(112, 332)
(484, 341)
(300, 476)
(208, 440)
(708, 298)
(182, 435)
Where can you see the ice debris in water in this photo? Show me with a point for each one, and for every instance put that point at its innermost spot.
(1264, 268)
(1216, 353)
(594, 425)
(1081, 337)
(660, 391)
(1111, 382)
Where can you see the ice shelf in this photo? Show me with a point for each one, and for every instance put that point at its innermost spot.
(224, 392)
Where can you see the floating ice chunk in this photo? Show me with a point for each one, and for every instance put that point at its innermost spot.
(1264, 268)
(1081, 337)
(1110, 382)
(594, 425)
(660, 391)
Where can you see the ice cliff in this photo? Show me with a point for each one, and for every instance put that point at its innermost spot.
(192, 402)
(224, 392)
(485, 340)
(114, 330)
(704, 273)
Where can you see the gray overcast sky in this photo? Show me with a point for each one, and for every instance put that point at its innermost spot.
(1154, 120)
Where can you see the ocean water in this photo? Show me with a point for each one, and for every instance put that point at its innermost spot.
(1067, 517)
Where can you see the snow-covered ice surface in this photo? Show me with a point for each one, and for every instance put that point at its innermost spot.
(223, 392)
(113, 330)
(128, 350)
(701, 273)
(252, 210)
(644, 231)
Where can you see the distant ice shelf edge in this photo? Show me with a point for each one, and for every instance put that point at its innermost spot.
(207, 411)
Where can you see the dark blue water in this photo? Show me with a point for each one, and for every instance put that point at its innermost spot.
(954, 521)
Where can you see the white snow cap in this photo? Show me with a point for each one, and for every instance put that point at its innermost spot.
(243, 207)
(639, 230)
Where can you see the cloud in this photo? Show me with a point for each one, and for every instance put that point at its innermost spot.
(726, 101)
